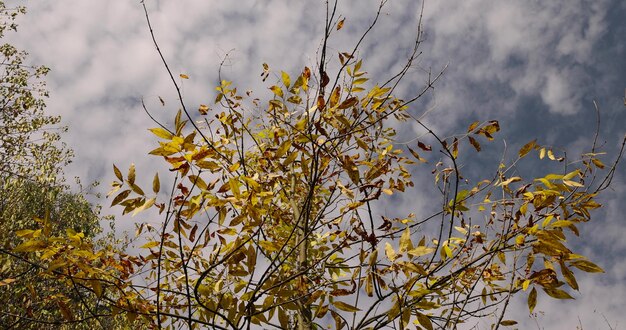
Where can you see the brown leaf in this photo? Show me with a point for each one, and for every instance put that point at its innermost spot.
(474, 143)
(423, 146)
(325, 79)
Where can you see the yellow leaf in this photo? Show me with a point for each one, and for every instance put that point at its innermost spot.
(234, 187)
(334, 97)
(30, 246)
(391, 254)
(369, 285)
(598, 163)
(24, 232)
(147, 204)
(150, 245)
(571, 175)
(542, 153)
(292, 156)
(352, 169)
(345, 307)
(532, 300)
(97, 288)
(131, 174)
(461, 230)
(557, 293)
(268, 246)
(162, 133)
(525, 285)
(455, 148)
(345, 191)
(286, 79)
(509, 181)
(340, 24)
(569, 277)
(277, 90)
(118, 173)
(284, 147)
(184, 76)
(7, 281)
(405, 241)
(551, 155)
(234, 167)
(424, 321)
(359, 81)
(447, 251)
(420, 251)
(472, 126)
(587, 266)
(527, 148)
(204, 290)
(375, 171)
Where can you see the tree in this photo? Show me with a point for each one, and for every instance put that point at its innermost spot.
(270, 219)
(33, 194)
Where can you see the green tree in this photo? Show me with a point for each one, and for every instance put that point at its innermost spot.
(33, 195)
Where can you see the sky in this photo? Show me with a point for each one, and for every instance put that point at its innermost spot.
(535, 66)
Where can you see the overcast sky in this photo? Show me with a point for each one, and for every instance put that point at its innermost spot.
(536, 66)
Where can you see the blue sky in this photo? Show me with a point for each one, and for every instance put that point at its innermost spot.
(536, 66)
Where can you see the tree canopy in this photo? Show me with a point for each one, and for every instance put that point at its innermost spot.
(33, 194)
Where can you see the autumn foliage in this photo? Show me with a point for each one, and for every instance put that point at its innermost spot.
(272, 217)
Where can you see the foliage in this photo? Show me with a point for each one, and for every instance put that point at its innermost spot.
(29, 138)
(33, 195)
(31, 295)
(271, 219)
